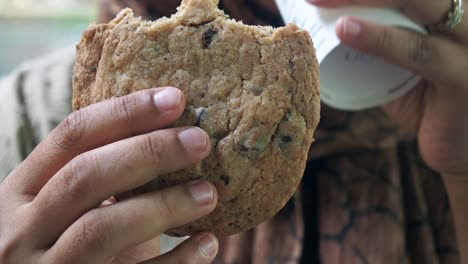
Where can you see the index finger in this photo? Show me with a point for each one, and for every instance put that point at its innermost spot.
(95, 126)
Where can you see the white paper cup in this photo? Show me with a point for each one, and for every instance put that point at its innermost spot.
(351, 80)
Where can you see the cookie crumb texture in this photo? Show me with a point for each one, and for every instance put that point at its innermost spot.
(255, 90)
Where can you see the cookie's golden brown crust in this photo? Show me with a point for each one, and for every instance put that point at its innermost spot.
(255, 90)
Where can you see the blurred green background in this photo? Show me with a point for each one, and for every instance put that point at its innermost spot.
(33, 28)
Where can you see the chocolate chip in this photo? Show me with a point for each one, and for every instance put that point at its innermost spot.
(190, 117)
(208, 36)
(291, 65)
(243, 148)
(254, 143)
(205, 90)
(252, 87)
(284, 143)
(234, 225)
(256, 90)
(226, 179)
(92, 69)
(219, 135)
(286, 139)
(201, 113)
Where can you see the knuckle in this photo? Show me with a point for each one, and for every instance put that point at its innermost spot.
(71, 131)
(75, 179)
(152, 147)
(163, 204)
(384, 40)
(420, 50)
(122, 107)
(92, 232)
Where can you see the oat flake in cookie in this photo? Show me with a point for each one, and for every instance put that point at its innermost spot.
(255, 90)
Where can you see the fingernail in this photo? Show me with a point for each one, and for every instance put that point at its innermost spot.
(351, 27)
(193, 139)
(167, 99)
(208, 246)
(201, 192)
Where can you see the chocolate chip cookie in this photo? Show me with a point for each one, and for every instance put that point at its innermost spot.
(255, 90)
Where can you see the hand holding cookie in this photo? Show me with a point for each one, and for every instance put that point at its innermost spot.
(51, 208)
(253, 89)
